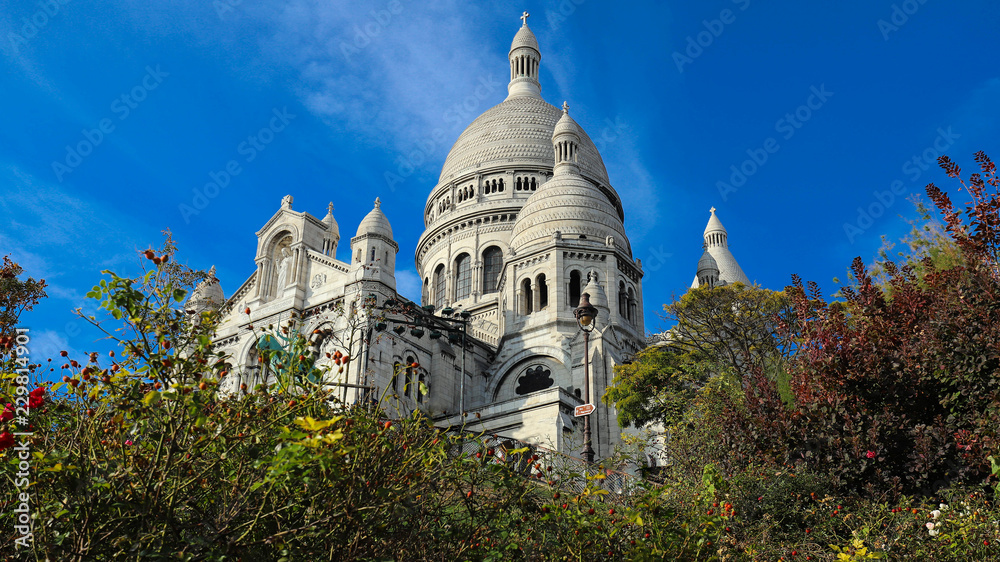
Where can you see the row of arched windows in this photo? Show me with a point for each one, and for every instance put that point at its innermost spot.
(465, 193)
(525, 184)
(493, 186)
(530, 300)
(462, 271)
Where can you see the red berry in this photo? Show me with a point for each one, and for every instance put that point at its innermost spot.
(611, 511)
(149, 254)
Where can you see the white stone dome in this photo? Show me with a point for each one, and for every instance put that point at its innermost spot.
(707, 263)
(524, 38)
(517, 132)
(331, 223)
(207, 294)
(572, 206)
(375, 222)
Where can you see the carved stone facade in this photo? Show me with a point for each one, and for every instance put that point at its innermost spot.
(523, 220)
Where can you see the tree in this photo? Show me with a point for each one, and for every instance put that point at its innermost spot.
(657, 386)
(16, 296)
(739, 327)
(731, 330)
(898, 387)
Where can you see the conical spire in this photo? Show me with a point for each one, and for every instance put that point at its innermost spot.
(524, 59)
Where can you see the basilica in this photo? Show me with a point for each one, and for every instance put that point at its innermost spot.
(522, 222)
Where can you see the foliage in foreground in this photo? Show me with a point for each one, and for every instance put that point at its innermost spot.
(139, 456)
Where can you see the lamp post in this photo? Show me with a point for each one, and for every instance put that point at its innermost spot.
(586, 315)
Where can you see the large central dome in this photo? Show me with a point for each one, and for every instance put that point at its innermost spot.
(517, 131)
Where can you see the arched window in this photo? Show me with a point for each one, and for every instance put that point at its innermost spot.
(501, 185)
(492, 265)
(527, 297)
(517, 185)
(439, 286)
(622, 300)
(631, 305)
(543, 291)
(373, 255)
(533, 184)
(397, 369)
(574, 288)
(408, 387)
(463, 277)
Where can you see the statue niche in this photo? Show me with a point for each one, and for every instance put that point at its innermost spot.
(282, 260)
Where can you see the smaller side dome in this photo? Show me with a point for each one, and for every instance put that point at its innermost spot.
(566, 144)
(330, 222)
(375, 222)
(708, 269)
(207, 295)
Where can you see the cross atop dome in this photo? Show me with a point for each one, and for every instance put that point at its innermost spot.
(712, 210)
(524, 18)
(378, 203)
(329, 208)
(565, 108)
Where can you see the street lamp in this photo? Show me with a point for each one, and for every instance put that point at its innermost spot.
(586, 315)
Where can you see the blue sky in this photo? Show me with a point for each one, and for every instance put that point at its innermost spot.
(788, 117)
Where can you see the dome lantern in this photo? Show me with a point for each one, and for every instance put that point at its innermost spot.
(524, 60)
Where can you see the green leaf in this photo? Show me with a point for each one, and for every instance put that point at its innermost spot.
(151, 397)
(179, 294)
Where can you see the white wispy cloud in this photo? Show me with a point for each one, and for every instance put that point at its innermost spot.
(50, 229)
(389, 78)
(46, 344)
